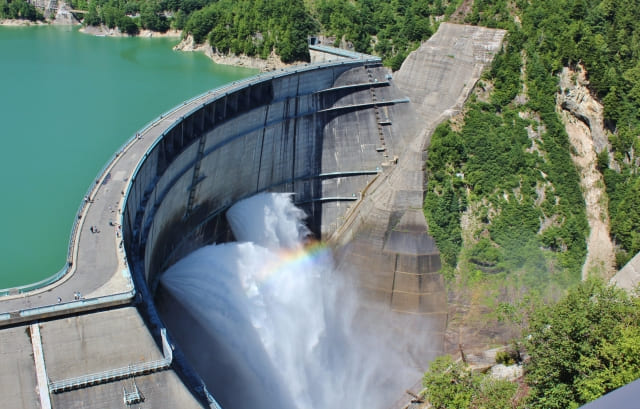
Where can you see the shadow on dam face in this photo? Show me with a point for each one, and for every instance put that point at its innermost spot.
(315, 133)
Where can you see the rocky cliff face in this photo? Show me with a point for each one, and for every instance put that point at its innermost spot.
(582, 116)
(273, 62)
(576, 100)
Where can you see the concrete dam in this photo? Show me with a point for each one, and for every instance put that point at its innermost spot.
(321, 133)
(345, 136)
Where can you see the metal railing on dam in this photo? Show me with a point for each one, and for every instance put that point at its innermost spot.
(136, 369)
(19, 304)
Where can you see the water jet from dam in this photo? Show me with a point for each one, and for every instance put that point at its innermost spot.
(284, 329)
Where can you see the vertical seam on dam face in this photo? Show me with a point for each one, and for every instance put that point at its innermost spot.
(264, 130)
(295, 134)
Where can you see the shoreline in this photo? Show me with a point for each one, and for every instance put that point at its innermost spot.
(104, 31)
(272, 63)
(8, 22)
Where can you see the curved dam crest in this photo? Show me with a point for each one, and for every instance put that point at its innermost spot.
(343, 136)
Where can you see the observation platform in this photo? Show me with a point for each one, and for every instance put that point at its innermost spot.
(336, 52)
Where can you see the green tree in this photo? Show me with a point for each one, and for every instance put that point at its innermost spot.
(582, 347)
(151, 17)
(111, 15)
(179, 20)
(624, 225)
(449, 385)
(92, 18)
(128, 25)
(20, 9)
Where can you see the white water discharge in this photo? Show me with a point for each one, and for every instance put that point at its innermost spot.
(320, 350)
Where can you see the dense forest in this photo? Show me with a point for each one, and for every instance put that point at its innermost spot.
(505, 206)
(258, 27)
(19, 9)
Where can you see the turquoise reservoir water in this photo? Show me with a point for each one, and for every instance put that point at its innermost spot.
(67, 102)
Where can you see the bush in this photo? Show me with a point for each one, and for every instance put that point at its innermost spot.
(452, 385)
(583, 347)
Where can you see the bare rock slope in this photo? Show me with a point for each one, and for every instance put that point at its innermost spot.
(583, 119)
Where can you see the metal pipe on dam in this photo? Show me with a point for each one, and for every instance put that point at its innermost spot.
(316, 131)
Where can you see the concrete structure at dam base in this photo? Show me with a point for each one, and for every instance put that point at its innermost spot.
(345, 135)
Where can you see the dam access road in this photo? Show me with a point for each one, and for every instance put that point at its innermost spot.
(341, 134)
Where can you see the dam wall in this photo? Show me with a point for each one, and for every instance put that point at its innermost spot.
(342, 137)
(313, 132)
(322, 132)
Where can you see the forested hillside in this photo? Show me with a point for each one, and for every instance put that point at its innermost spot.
(504, 171)
(583, 346)
(258, 27)
(19, 9)
(389, 29)
(505, 205)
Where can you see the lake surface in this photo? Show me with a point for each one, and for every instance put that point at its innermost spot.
(68, 101)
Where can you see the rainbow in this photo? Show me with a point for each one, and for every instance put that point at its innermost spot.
(301, 258)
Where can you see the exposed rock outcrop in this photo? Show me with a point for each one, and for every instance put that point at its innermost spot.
(576, 99)
(18, 23)
(104, 31)
(273, 62)
(582, 116)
